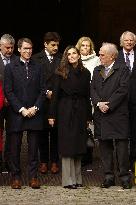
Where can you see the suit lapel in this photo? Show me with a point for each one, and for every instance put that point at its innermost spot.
(102, 72)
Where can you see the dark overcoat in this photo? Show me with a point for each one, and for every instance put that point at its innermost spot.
(49, 74)
(71, 96)
(23, 92)
(132, 95)
(113, 89)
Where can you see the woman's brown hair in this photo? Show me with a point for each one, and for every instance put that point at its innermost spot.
(63, 69)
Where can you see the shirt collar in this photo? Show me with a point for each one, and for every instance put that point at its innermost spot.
(47, 53)
(3, 57)
(110, 66)
(24, 61)
(130, 52)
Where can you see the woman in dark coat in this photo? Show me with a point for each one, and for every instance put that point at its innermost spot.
(71, 99)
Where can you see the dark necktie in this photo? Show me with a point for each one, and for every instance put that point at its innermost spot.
(26, 66)
(50, 58)
(128, 61)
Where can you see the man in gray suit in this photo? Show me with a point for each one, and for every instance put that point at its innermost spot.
(7, 43)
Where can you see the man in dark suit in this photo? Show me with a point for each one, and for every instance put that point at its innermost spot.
(109, 93)
(24, 89)
(7, 43)
(127, 56)
(49, 58)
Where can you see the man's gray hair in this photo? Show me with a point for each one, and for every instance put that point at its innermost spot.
(124, 34)
(110, 48)
(7, 38)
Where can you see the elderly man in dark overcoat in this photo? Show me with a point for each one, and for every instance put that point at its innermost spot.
(24, 90)
(109, 92)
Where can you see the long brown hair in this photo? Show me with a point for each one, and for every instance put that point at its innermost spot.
(64, 67)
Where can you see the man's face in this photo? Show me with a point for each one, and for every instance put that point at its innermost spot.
(52, 47)
(128, 42)
(25, 51)
(105, 57)
(6, 49)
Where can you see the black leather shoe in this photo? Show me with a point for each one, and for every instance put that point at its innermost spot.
(126, 185)
(79, 185)
(70, 187)
(107, 183)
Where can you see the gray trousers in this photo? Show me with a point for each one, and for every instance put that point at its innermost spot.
(71, 171)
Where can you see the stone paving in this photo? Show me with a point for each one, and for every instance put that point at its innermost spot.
(51, 192)
(56, 195)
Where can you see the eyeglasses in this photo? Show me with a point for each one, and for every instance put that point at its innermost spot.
(27, 49)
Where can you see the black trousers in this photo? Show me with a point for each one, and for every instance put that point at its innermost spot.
(48, 145)
(118, 148)
(15, 149)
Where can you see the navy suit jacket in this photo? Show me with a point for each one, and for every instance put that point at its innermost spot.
(49, 75)
(23, 92)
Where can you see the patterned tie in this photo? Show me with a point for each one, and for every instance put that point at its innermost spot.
(128, 61)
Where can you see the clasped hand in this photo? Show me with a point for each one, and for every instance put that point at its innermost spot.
(30, 112)
(103, 106)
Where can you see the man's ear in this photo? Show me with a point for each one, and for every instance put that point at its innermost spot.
(45, 44)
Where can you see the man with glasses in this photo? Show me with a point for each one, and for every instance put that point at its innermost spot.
(24, 88)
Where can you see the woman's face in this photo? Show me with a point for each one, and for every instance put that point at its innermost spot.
(85, 48)
(73, 57)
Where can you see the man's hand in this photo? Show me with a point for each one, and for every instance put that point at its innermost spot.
(51, 122)
(24, 112)
(49, 94)
(6, 103)
(103, 106)
(31, 112)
